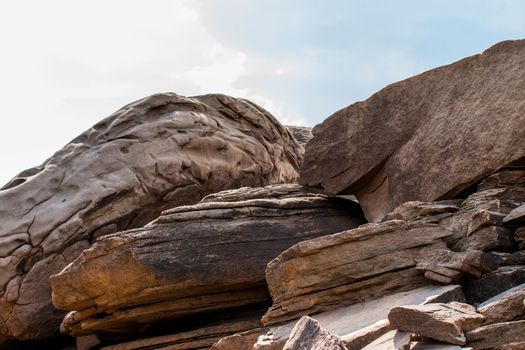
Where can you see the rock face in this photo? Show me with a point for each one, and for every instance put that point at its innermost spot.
(308, 334)
(504, 307)
(424, 138)
(444, 322)
(506, 335)
(193, 260)
(153, 154)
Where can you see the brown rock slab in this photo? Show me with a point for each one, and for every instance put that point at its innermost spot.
(504, 307)
(361, 323)
(194, 259)
(443, 322)
(426, 137)
(368, 262)
(445, 266)
(162, 151)
(486, 239)
(194, 339)
(308, 334)
(497, 336)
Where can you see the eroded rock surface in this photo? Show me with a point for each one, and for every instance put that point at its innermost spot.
(308, 334)
(153, 154)
(439, 321)
(193, 259)
(425, 138)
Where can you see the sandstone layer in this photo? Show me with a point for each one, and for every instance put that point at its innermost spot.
(194, 259)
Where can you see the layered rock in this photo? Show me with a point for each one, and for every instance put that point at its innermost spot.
(194, 259)
(153, 154)
(360, 323)
(425, 138)
(439, 321)
(418, 243)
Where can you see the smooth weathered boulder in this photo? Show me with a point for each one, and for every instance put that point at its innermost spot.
(153, 154)
(443, 322)
(425, 138)
(361, 323)
(194, 259)
(504, 307)
(308, 334)
(506, 335)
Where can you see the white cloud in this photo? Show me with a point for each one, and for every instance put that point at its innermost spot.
(67, 64)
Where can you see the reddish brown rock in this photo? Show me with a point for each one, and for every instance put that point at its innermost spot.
(424, 138)
(506, 335)
(194, 259)
(308, 334)
(444, 322)
(504, 307)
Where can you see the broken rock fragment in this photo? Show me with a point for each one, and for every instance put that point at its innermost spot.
(443, 322)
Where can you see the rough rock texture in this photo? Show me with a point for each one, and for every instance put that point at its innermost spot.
(360, 323)
(195, 339)
(426, 137)
(442, 265)
(506, 335)
(504, 307)
(494, 283)
(517, 216)
(308, 334)
(302, 134)
(370, 261)
(444, 322)
(153, 154)
(193, 259)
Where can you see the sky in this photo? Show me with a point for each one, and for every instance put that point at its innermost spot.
(66, 64)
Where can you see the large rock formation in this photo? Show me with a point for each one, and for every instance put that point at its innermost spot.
(429, 137)
(419, 242)
(193, 260)
(153, 154)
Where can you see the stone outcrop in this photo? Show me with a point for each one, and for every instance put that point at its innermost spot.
(425, 138)
(194, 259)
(444, 322)
(308, 334)
(153, 154)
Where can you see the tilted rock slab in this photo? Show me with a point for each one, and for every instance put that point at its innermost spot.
(505, 335)
(308, 334)
(367, 262)
(153, 154)
(193, 259)
(361, 323)
(444, 322)
(504, 307)
(426, 137)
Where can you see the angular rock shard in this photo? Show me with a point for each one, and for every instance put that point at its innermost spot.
(443, 322)
(153, 154)
(308, 334)
(425, 138)
(193, 259)
(504, 307)
(364, 263)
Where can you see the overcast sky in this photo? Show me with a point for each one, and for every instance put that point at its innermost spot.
(64, 65)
